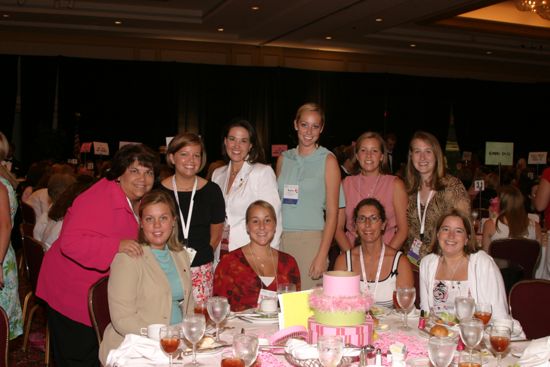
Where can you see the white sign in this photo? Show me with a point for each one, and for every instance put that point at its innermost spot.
(537, 158)
(168, 140)
(123, 143)
(466, 156)
(101, 148)
(499, 153)
(479, 185)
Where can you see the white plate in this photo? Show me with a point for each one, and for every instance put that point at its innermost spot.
(264, 314)
(260, 320)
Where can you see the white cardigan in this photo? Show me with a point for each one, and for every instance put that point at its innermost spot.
(484, 277)
(253, 182)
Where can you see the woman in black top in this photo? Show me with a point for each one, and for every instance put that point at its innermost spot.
(201, 208)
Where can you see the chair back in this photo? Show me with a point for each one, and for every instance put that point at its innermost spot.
(416, 277)
(34, 254)
(518, 251)
(28, 214)
(4, 337)
(98, 306)
(528, 302)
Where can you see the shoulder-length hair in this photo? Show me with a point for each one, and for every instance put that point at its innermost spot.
(4, 151)
(512, 208)
(129, 154)
(413, 178)
(256, 153)
(383, 167)
(182, 140)
(369, 202)
(160, 197)
(471, 244)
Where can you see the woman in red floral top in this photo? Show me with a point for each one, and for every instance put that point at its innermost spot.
(242, 273)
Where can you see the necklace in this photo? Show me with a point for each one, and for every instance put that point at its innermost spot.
(458, 263)
(257, 261)
(372, 189)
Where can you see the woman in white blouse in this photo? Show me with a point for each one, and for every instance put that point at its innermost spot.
(244, 180)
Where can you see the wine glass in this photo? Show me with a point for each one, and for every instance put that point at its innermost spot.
(483, 311)
(499, 337)
(286, 288)
(169, 340)
(331, 349)
(405, 298)
(441, 350)
(218, 309)
(246, 348)
(471, 332)
(464, 308)
(193, 329)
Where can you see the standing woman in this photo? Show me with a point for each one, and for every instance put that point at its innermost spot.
(371, 182)
(431, 192)
(309, 186)
(9, 284)
(101, 222)
(244, 180)
(200, 207)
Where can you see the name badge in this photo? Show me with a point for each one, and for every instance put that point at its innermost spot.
(414, 251)
(290, 194)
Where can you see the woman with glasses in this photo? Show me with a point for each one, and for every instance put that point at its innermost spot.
(456, 268)
(381, 267)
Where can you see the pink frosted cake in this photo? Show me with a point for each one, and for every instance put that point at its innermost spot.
(340, 302)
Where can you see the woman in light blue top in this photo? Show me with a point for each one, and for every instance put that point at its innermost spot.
(308, 178)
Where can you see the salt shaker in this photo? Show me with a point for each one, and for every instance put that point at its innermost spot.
(378, 359)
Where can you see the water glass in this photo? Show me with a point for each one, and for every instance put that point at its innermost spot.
(405, 298)
(470, 359)
(286, 288)
(441, 350)
(464, 308)
(246, 348)
(193, 329)
(471, 332)
(218, 309)
(331, 349)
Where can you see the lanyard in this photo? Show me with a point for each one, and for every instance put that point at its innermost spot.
(184, 227)
(422, 214)
(380, 261)
(132, 209)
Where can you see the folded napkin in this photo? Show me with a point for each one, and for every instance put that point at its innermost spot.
(137, 350)
(537, 353)
(299, 349)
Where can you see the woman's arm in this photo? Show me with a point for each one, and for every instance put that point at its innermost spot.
(404, 273)
(542, 197)
(340, 233)
(5, 227)
(216, 231)
(538, 233)
(266, 189)
(490, 286)
(332, 186)
(489, 229)
(279, 166)
(400, 203)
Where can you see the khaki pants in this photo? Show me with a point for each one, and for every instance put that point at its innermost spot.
(303, 246)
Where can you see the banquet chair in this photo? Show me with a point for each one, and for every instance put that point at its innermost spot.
(28, 213)
(416, 277)
(26, 228)
(528, 302)
(34, 254)
(98, 307)
(4, 338)
(518, 252)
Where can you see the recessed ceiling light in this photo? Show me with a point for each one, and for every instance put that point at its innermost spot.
(220, 29)
(379, 19)
(413, 45)
(328, 37)
(255, 8)
(118, 22)
(489, 52)
(5, 15)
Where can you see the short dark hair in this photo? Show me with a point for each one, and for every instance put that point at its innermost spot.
(372, 202)
(471, 244)
(256, 153)
(129, 154)
(182, 140)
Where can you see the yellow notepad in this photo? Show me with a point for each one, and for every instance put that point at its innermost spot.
(295, 309)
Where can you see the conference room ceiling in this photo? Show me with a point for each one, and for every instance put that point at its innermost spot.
(477, 32)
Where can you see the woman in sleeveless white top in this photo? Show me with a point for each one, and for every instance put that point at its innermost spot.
(382, 268)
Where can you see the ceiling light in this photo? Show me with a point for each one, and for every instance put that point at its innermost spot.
(255, 8)
(379, 19)
(541, 7)
(118, 22)
(488, 52)
(5, 15)
(220, 29)
(413, 45)
(328, 37)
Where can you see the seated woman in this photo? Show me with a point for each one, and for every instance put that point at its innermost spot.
(455, 268)
(513, 221)
(381, 267)
(149, 289)
(242, 273)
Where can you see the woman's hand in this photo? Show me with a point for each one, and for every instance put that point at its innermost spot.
(318, 267)
(130, 248)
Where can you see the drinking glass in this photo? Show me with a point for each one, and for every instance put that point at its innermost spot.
(405, 298)
(230, 360)
(246, 348)
(471, 332)
(483, 311)
(441, 350)
(331, 349)
(200, 308)
(193, 329)
(169, 340)
(286, 288)
(218, 309)
(470, 360)
(500, 340)
(464, 308)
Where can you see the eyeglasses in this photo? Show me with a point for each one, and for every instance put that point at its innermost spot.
(371, 219)
(456, 231)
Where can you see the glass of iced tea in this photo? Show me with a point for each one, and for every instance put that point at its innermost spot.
(483, 311)
(230, 360)
(200, 308)
(169, 340)
(470, 360)
(499, 337)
